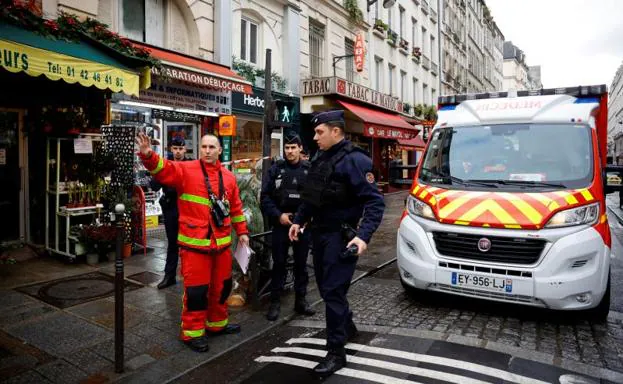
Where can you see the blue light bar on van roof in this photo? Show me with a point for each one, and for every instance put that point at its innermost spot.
(580, 92)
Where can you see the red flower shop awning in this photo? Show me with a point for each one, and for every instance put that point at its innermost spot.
(381, 124)
(195, 71)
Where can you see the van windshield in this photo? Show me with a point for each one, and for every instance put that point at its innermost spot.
(510, 156)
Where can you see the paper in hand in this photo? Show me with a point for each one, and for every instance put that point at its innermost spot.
(243, 256)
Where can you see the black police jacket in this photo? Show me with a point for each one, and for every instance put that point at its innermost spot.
(351, 176)
(282, 189)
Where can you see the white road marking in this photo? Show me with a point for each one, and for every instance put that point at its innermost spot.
(460, 364)
(450, 377)
(354, 373)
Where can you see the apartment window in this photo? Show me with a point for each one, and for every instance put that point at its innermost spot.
(433, 49)
(433, 94)
(389, 18)
(133, 19)
(414, 32)
(392, 69)
(424, 51)
(425, 94)
(316, 48)
(378, 72)
(415, 86)
(402, 22)
(349, 49)
(403, 86)
(248, 41)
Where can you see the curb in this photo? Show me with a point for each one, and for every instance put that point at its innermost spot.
(615, 213)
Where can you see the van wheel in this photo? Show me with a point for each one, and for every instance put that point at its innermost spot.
(600, 312)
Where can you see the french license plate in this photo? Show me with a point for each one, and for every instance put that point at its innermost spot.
(482, 282)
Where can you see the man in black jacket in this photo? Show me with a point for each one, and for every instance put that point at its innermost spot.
(280, 198)
(168, 202)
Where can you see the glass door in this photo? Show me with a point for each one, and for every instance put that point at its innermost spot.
(12, 177)
(186, 130)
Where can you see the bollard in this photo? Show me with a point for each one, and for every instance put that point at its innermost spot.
(119, 210)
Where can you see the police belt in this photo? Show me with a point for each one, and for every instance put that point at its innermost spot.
(329, 227)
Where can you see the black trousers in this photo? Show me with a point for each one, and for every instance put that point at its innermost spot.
(333, 276)
(171, 225)
(281, 243)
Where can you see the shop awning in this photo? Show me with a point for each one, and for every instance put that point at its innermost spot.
(381, 124)
(72, 62)
(413, 144)
(199, 72)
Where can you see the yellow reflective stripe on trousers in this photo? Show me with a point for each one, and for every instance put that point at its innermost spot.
(196, 199)
(223, 240)
(158, 167)
(238, 219)
(196, 333)
(191, 241)
(217, 324)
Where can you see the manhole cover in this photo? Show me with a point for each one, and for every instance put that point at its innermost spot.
(70, 291)
(146, 277)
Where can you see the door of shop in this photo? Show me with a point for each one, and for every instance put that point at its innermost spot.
(12, 177)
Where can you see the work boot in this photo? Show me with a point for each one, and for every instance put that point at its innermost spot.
(301, 306)
(167, 281)
(273, 310)
(333, 362)
(351, 331)
(198, 344)
(229, 329)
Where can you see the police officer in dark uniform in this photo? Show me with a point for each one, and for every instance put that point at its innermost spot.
(345, 207)
(281, 197)
(168, 202)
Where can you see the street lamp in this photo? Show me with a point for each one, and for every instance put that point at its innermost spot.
(386, 3)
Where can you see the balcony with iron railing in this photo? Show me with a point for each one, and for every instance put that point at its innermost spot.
(433, 15)
(425, 62)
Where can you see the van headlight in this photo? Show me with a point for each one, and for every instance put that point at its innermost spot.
(419, 208)
(586, 214)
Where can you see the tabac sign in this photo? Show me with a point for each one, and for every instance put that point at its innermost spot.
(335, 85)
(359, 52)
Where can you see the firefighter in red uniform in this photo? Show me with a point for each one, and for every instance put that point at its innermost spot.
(209, 206)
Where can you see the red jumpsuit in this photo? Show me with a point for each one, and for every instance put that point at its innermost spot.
(204, 247)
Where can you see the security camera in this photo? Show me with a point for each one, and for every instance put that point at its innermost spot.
(388, 3)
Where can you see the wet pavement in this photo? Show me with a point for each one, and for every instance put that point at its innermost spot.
(42, 343)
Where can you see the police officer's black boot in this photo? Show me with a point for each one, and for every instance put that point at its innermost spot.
(273, 309)
(301, 306)
(333, 362)
(198, 344)
(351, 331)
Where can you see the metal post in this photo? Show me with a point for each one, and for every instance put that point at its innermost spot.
(119, 209)
(268, 118)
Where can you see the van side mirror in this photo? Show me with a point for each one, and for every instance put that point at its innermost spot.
(613, 178)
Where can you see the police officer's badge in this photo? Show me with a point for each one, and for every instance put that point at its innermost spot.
(370, 177)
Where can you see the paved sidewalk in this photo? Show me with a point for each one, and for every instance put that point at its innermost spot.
(46, 338)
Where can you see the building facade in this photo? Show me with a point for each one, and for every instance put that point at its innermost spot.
(615, 117)
(472, 48)
(515, 68)
(534, 77)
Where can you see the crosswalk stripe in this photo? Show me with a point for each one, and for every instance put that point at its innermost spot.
(450, 377)
(467, 366)
(354, 373)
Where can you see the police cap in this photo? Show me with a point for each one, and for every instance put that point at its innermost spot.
(177, 141)
(292, 138)
(336, 116)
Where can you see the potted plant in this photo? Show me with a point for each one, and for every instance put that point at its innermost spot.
(99, 240)
(418, 109)
(380, 26)
(392, 37)
(406, 107)
(404, 44)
